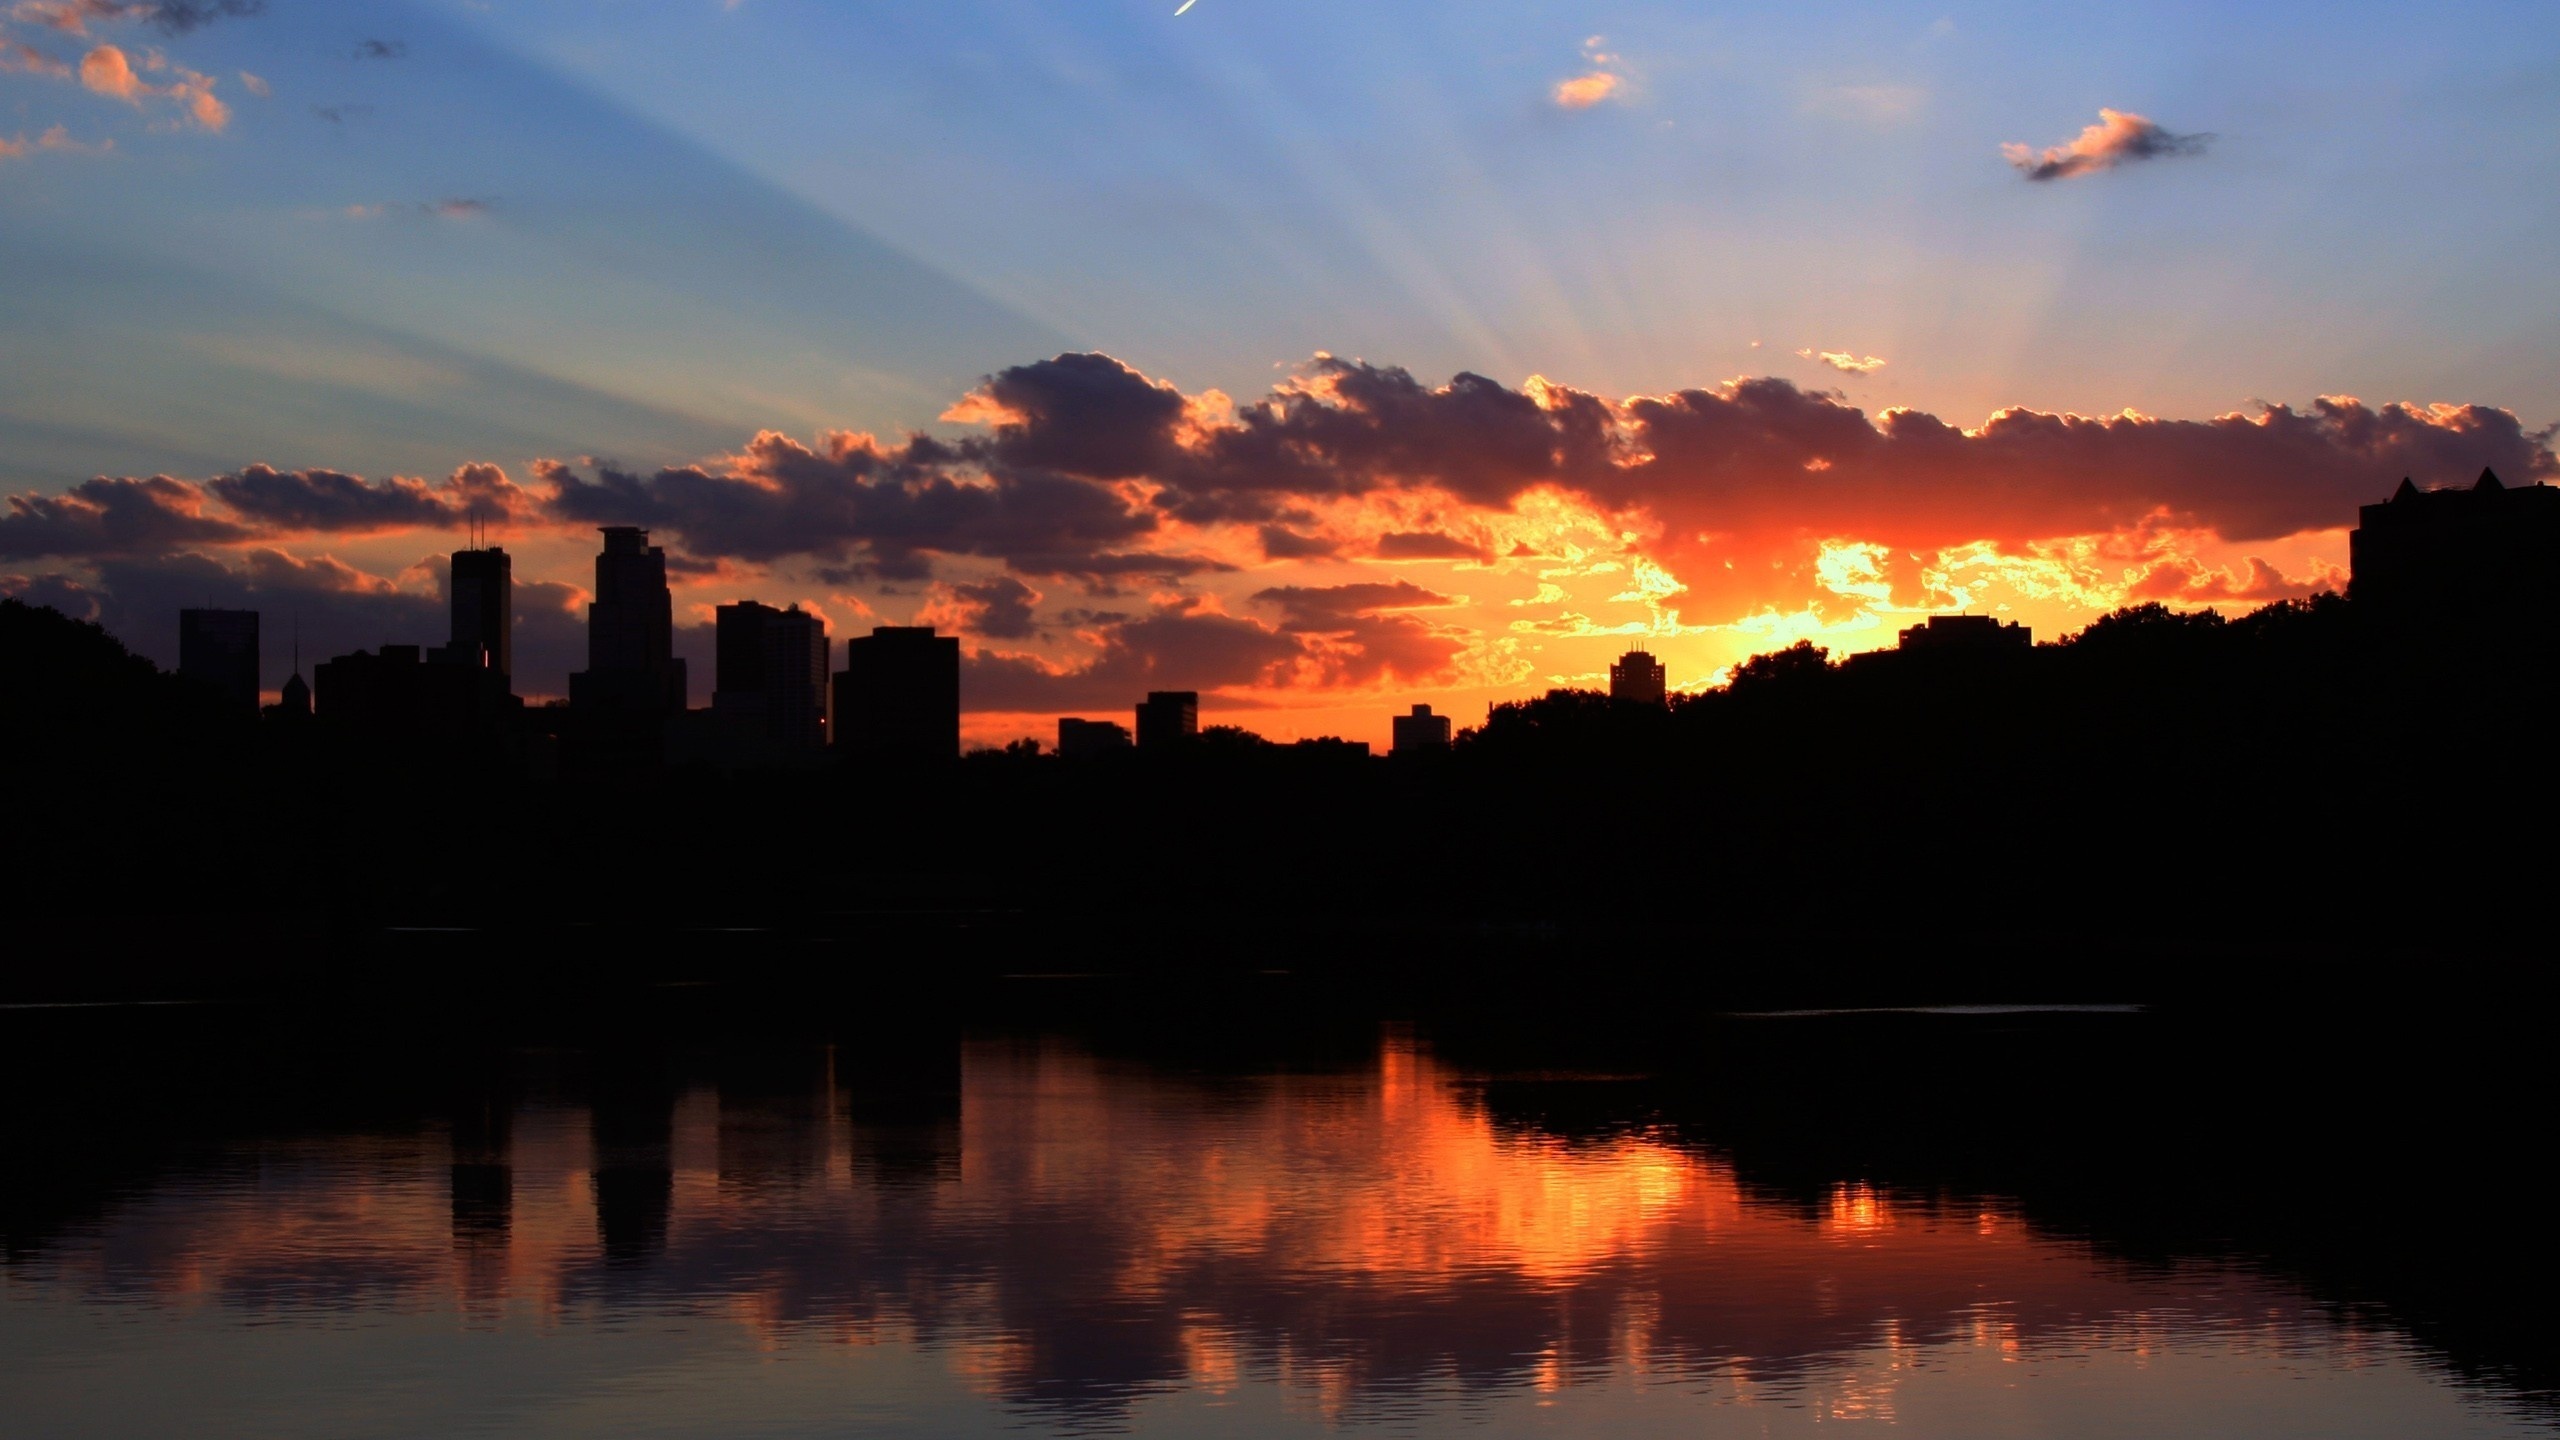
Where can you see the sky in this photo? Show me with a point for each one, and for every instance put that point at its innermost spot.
(1325, 358)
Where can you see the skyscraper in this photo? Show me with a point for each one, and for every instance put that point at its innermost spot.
(898, 696)
(771, 675)
(220, 649)
(483, 612)
(1421, 733)
(631, 664)
(1636, 679)
(1168, 719)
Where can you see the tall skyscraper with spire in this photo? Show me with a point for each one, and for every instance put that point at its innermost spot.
(293, 702)
(631, 664)
(483, 586)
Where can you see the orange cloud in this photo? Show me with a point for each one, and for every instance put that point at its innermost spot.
(1848, 361)
(1357, 530)
(55, 139)
(2185, 580)
(109, 71)
(72, 17)
(1601, 82)
(196, 94)
(1584, 91)
(2118, 138)
(15, 55)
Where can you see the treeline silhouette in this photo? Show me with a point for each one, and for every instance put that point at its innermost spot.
(2165, 802)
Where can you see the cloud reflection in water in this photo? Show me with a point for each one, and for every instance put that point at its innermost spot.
(1084, 1243)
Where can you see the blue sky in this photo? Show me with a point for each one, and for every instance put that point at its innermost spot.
(703, 218)
(521, 229)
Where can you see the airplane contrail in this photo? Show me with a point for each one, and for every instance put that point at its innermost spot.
(1186, 4)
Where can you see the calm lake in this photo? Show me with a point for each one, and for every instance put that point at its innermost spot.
(978, 1230)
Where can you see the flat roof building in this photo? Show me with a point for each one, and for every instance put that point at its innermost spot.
(1975, 633)
(1421, 732)
(770, 669)
(1091, 739)
(898, 696)
(1168, 719)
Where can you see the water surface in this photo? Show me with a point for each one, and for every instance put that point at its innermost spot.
(1017, 1234)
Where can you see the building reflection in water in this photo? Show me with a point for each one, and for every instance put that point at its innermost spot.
(1072, 1236)
(632, 1130)
(483, 1192)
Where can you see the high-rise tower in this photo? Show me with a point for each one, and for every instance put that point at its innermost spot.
(631, 664)
(772, 674)
(483, 611)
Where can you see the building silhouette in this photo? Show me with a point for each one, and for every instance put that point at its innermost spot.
(1967, 634)
(219, 649)
(2479, 559)
(294, 701)
(483, 585)
(1421, 733)
(393, 694)
(631, 664)
(1091, 739)
(770, 685)
(1168, 719)
(631, 1138)
(898, 696)
(1636, 679)
(1952, 647)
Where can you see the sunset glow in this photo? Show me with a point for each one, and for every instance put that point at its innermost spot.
(1121, 456)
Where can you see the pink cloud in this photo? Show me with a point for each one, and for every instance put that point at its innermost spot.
(15, 55)
(1847, 361)
(55, 139)
(1601, 82)
(2119, 137)
(109, 71)
(72, 17)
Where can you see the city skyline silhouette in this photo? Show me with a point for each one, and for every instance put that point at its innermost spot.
(764, 718)
(2295, 704)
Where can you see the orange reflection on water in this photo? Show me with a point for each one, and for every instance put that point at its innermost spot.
(1069, 1226)
(1402, 1180)
(1857, 1210)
